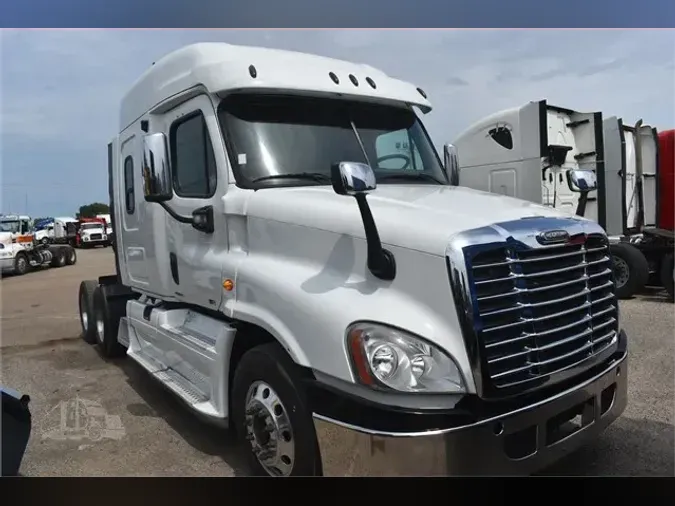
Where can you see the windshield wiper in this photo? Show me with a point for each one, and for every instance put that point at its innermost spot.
(409, 175)
(314, 176)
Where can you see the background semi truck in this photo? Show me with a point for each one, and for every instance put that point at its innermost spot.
(529, 152)
(292, 262)
(20, 252)
(91, 232)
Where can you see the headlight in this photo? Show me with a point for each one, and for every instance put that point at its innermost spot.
(385, 357)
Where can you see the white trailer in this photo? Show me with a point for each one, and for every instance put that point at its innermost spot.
(532, 153)
(291, 262)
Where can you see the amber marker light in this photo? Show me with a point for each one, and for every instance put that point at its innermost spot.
(228, 284)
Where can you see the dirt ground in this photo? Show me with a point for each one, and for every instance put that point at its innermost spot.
(143, 430)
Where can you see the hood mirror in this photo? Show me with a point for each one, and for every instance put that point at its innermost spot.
(353, 178)
(582, 180)
(357, 180)
(451, 162)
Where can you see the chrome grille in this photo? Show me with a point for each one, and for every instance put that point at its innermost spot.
(95, 237)
(538, 311)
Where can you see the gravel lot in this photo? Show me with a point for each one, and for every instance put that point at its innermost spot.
(152, 434)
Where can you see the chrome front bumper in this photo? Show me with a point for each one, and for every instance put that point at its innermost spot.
(518, 442)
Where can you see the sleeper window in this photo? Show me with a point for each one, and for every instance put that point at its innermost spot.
(192, 160)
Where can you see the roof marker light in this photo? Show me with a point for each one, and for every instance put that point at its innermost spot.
(353, 79)
(421, 92)
(334, 77)
(371, 82)
(252, 71)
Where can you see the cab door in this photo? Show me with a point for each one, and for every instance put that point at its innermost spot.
(199, 179)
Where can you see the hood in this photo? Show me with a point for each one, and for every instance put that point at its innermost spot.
(419, 217)
(6, 238)
(97, 230)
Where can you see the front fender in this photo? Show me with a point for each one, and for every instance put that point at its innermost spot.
(307, 305)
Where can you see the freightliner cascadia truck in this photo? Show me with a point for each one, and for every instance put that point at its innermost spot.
(293, 263)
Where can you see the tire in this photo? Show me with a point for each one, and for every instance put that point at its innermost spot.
(86, 308)
(107, 315)
(59, 257)
(667, 273)
(268, 367)
(631, 269)
(71, 255)
(44, 241)
(21, 265)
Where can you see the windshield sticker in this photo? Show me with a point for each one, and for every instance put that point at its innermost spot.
(242, 159)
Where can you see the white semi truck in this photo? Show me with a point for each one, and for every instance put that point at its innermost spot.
(20, 252)
(531, 152)
(292, 262)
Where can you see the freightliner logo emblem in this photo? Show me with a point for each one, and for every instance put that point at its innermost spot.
(553, 237)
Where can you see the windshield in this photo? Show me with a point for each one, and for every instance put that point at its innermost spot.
(87, 226)
(9, 226)
(276, 135)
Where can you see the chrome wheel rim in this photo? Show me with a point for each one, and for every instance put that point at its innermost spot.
(269, 431)
(621, 271)
(84, 317)
(100, 327)
(21, 264)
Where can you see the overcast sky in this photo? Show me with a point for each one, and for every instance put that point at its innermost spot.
(60, 89)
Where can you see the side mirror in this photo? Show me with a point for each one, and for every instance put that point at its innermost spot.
(451, 161)
(156, 173)
(353, 178)
(582, 180)
(202, 219)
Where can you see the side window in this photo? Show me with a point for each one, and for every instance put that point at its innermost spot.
(193, 163)
(502, 136)
(396, 151)
(129, 196)
(25, 226)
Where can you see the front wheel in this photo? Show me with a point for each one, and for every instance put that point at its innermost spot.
(21, 264)
(271, 416)
(631, 269)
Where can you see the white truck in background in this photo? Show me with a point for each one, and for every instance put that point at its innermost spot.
(532, 152)
(60, 230)
(291, 262)
(92, 234)
(20, 252)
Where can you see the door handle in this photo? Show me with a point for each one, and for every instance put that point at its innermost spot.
(173, 260)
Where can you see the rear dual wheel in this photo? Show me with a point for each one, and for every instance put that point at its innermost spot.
(100, 318)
